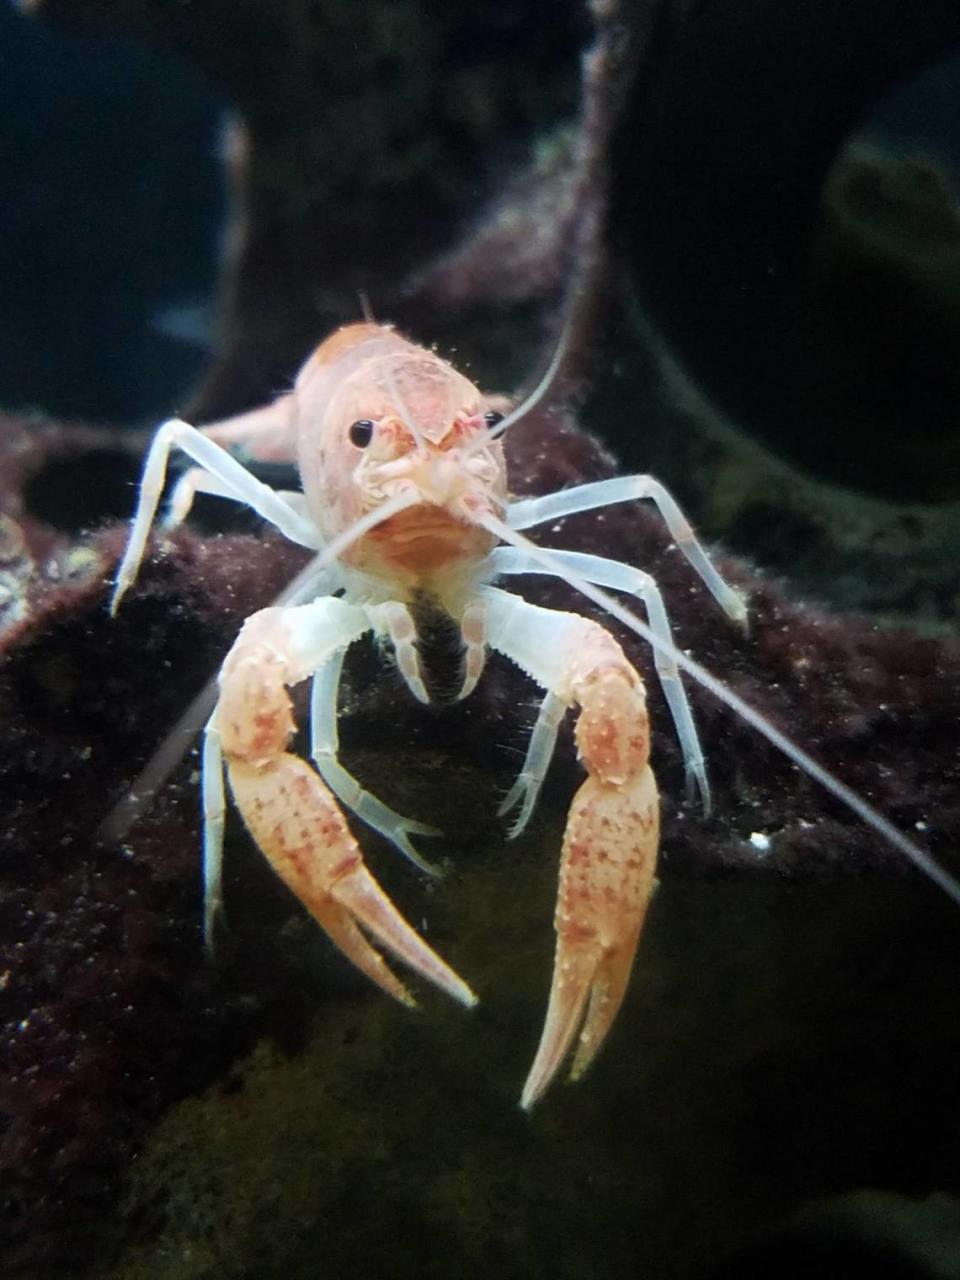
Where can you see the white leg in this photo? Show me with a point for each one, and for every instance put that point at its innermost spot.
(213, 820)
(324, 747)
(526, 789)
(192, 482)
(473, 631)
(623, 577)
(197, 480)
(307, 585)
(397, 621)
(230, 473)
(542, 642)
(602, 493)
(312, 633)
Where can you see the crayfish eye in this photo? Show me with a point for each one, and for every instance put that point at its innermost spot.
(492, 418)
(361, 432)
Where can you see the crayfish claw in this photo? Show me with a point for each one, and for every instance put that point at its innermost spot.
(589, 984)
(296, 822)
(291, 812)
(606, 881)
(361, 900)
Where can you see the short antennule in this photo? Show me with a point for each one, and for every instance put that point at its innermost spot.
(366, 310)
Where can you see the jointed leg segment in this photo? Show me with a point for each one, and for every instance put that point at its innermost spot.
(473, 630)
(396, 621)
(325, 741)
(623, 577)
(214, 808)
(603, 493)
(526, 788)
(198, 480)
(229, 477)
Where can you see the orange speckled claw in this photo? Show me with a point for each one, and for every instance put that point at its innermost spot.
(300, 829)
(291, 812)
(606, 879)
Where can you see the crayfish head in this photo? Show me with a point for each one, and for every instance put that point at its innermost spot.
(379, 416)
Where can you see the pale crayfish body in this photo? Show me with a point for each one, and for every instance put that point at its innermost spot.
(405, 499)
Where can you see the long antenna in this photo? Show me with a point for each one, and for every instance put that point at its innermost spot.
(532, 400)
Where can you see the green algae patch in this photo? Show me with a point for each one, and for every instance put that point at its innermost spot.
(765, 1035)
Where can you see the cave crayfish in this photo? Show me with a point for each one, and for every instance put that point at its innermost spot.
(405, 500)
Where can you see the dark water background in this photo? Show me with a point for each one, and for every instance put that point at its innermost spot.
(110, 229)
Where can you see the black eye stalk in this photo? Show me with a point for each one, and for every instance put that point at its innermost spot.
(492, 418)
(361, 432)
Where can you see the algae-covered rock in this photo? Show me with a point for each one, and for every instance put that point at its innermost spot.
(843, 1008)
(772, 1045)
